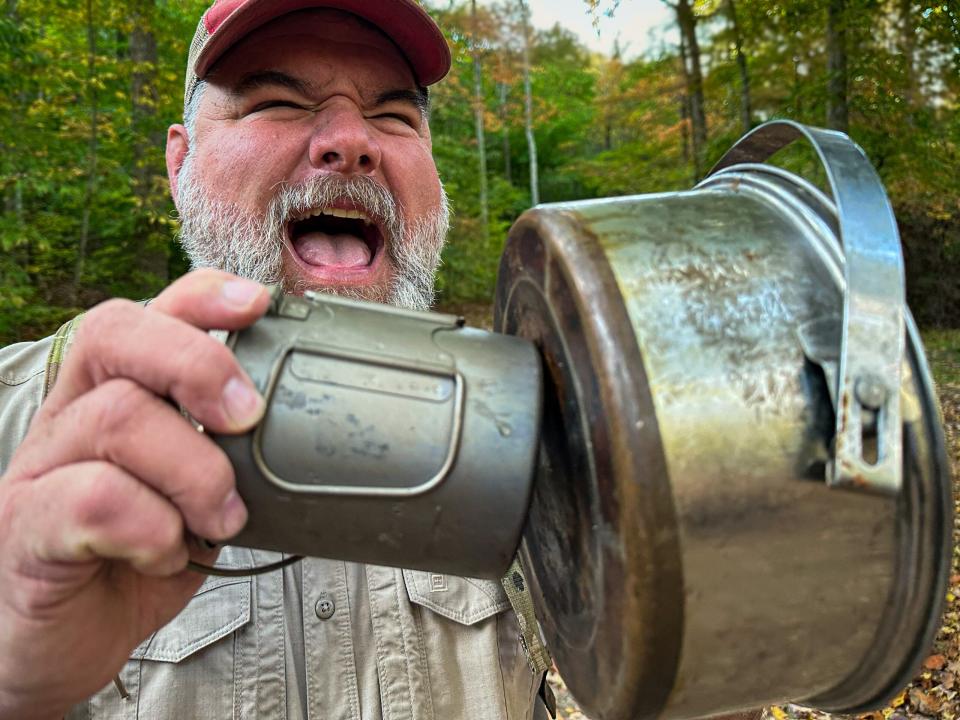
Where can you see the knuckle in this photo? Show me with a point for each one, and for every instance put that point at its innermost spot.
(99, 497)
(168, 534)
(102, 329)
(104, 318)
(213, 476)
(202, 364)
(120, 402)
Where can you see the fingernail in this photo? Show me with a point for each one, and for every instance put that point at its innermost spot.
(241, 292)
(234, 515)
(242, 403)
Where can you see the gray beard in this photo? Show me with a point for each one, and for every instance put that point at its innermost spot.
(220, 235)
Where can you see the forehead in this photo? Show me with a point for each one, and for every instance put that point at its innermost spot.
(323, 44)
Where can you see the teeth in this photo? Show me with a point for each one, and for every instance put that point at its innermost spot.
(337, 212)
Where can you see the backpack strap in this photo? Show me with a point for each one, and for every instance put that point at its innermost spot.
(518, 592)
(62, 341)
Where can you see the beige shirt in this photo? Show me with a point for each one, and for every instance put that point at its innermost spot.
(323, 639)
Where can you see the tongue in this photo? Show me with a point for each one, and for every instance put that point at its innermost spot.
(340, 250)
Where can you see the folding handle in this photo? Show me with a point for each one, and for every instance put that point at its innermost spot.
(363, 491)
(872, 349)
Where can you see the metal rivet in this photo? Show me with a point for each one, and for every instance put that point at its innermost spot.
(871, 392)
(325, 607)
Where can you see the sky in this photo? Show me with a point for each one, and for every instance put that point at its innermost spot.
(641, 24)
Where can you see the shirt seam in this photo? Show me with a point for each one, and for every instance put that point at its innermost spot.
(17, 380)
(404, 634)
(418, 624)
(281, 623)
(385, 687)
(353, 689)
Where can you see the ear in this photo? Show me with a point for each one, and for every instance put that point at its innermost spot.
(178, 143)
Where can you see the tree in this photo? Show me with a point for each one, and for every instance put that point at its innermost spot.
(528, 108)
(693, 72)
(478, 109)
(92, 147)
(838, 112)
(147, 138)
(746, 105)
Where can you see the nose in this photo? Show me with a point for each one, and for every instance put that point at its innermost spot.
(342, 142)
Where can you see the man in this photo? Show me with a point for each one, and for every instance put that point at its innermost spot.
(304, 158)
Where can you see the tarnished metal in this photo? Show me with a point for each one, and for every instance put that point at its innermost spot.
(391, 437)
(712, 365)
(686, 551)
(872, 344)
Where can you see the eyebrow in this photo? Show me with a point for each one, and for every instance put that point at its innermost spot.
(268, 78)
(419, 98)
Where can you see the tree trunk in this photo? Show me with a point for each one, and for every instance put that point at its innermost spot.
(698, 118)
(91, 151)
(685, 108)
(908, 49)
(528, 108)
(746, 109)
(502, 95)
(153, 256)
(478, 106)
(838, 113)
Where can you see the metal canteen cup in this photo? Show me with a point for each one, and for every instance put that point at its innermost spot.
(390, 437)
(743, 494)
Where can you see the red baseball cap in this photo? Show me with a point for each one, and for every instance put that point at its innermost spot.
(406, 23)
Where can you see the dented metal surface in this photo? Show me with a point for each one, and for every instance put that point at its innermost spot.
(390, 437)
(741, 494)
(758, 578)
(872, 342)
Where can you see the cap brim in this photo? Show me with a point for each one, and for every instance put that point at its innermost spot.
(403, 21)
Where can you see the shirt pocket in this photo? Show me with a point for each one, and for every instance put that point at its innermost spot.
(464, 600)
(471, 646)
(187, 668)
(220, 606)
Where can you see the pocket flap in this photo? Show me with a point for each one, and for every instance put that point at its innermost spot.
(220, 606)
(464, 600)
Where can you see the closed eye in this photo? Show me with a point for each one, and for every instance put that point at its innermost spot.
(259, 107)
(405, 118)
(396, 116)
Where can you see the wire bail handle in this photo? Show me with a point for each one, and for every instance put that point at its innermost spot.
(872, 345)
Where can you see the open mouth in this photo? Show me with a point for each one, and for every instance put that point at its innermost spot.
(336, 239)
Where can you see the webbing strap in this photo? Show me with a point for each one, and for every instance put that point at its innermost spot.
(518, 592)
(61, 342)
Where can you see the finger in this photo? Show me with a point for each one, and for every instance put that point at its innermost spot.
(213, 299)
(120, 339)
(94, 510)
(122, 423)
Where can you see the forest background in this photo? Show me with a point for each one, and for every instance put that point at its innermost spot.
(89, 87)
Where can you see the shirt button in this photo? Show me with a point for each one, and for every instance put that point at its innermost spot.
(325, 607)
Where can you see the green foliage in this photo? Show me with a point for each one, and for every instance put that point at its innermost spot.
(943, 353)
(81, 133)
(73, 143)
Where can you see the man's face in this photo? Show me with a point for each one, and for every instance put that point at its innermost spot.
(310, 163)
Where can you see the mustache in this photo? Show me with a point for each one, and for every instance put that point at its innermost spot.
(292, 201)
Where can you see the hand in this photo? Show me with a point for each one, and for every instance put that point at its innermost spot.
(97, 501)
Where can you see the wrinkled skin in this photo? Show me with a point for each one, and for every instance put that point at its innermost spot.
(95, 512)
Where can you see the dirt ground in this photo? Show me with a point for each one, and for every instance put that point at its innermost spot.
(935, 692)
